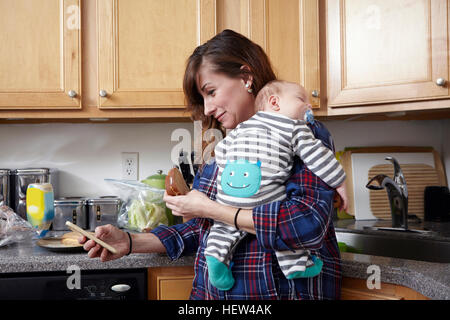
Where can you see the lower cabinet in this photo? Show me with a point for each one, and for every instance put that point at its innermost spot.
(175, 283)
(170, 283)
(356, 289)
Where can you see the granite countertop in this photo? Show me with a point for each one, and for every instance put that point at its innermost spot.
(427, 278)
(29, 257)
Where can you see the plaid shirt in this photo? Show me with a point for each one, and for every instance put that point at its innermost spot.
(302, 221)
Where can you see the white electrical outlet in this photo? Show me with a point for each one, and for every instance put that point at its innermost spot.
(130, 165)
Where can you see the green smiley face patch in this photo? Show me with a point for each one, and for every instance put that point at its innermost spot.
(241, 178)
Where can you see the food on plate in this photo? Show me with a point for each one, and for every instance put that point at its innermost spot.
(70, 242)
(175, 184)
(71, 238)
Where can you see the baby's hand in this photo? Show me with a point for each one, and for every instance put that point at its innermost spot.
(342, 192)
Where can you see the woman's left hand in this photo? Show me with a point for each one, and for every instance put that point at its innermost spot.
(195, 204)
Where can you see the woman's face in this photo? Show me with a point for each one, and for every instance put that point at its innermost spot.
(225, 98)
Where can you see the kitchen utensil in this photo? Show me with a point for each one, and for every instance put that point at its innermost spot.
(195, 165)
(21, 178)
(103, 210)
(4, 187)
(70, 209)
(175, 183)
(358, 161)
(185, 167)
(40, 206)
(89, 235)
(437, 203)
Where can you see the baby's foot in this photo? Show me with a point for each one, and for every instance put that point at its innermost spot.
(219, 274)
(309, 271)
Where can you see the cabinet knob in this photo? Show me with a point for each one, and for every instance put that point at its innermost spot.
(315, 93)
(72, 93)
(103, 93)
(441, 82)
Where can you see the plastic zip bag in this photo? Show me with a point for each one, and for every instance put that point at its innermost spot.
(142, 206)
(13, 228)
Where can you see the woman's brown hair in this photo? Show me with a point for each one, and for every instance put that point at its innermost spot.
(226, 52)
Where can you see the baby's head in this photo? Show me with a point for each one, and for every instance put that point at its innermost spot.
(283, 97)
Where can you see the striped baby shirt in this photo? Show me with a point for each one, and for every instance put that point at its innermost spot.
(270, 141)
(254, 162)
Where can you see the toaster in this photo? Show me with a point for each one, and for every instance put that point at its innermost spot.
(71, 209)
(103, 210)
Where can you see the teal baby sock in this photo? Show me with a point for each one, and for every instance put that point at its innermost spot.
(219, 274)
(309, 271)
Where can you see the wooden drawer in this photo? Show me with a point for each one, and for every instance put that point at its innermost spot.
(356, 289)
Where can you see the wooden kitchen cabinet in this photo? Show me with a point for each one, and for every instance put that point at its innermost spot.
(175, 283)
(133, 50)
(40, 62)
(170, 283)
(354, 57)
(386, 52)
(143, 46)
(356, 289)
(287, 30)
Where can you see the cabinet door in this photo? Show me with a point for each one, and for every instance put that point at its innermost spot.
(170, 283)
(39, 54)
(287, 30)
(386, 51)
(143, 48)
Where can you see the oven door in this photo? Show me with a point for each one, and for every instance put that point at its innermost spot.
(130, 284)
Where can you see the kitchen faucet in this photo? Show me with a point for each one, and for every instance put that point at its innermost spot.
(397, 193)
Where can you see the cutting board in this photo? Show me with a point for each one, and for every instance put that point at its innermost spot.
(357, 163)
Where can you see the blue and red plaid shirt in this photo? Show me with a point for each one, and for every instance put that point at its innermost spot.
(302, 221)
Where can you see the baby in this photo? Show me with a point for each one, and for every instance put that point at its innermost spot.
(255, 160)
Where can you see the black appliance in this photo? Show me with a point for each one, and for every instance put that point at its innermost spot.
(437, 204)
(129, 284)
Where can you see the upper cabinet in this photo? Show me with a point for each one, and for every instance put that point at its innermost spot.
(40, 54)
(125, 59)
(143, 46)
(287, 30)
(386, 51)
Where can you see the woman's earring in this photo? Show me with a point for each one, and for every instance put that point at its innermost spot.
(249, 90)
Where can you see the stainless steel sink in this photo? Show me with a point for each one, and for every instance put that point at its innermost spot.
(397, 247)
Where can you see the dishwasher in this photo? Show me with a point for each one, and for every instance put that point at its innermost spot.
(128, 284)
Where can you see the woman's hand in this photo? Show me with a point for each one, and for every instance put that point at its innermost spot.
(195, 204)
(111, 235)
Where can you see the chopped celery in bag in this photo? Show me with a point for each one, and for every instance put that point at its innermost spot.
(143, 207)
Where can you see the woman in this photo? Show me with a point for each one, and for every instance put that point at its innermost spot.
(222, 78)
